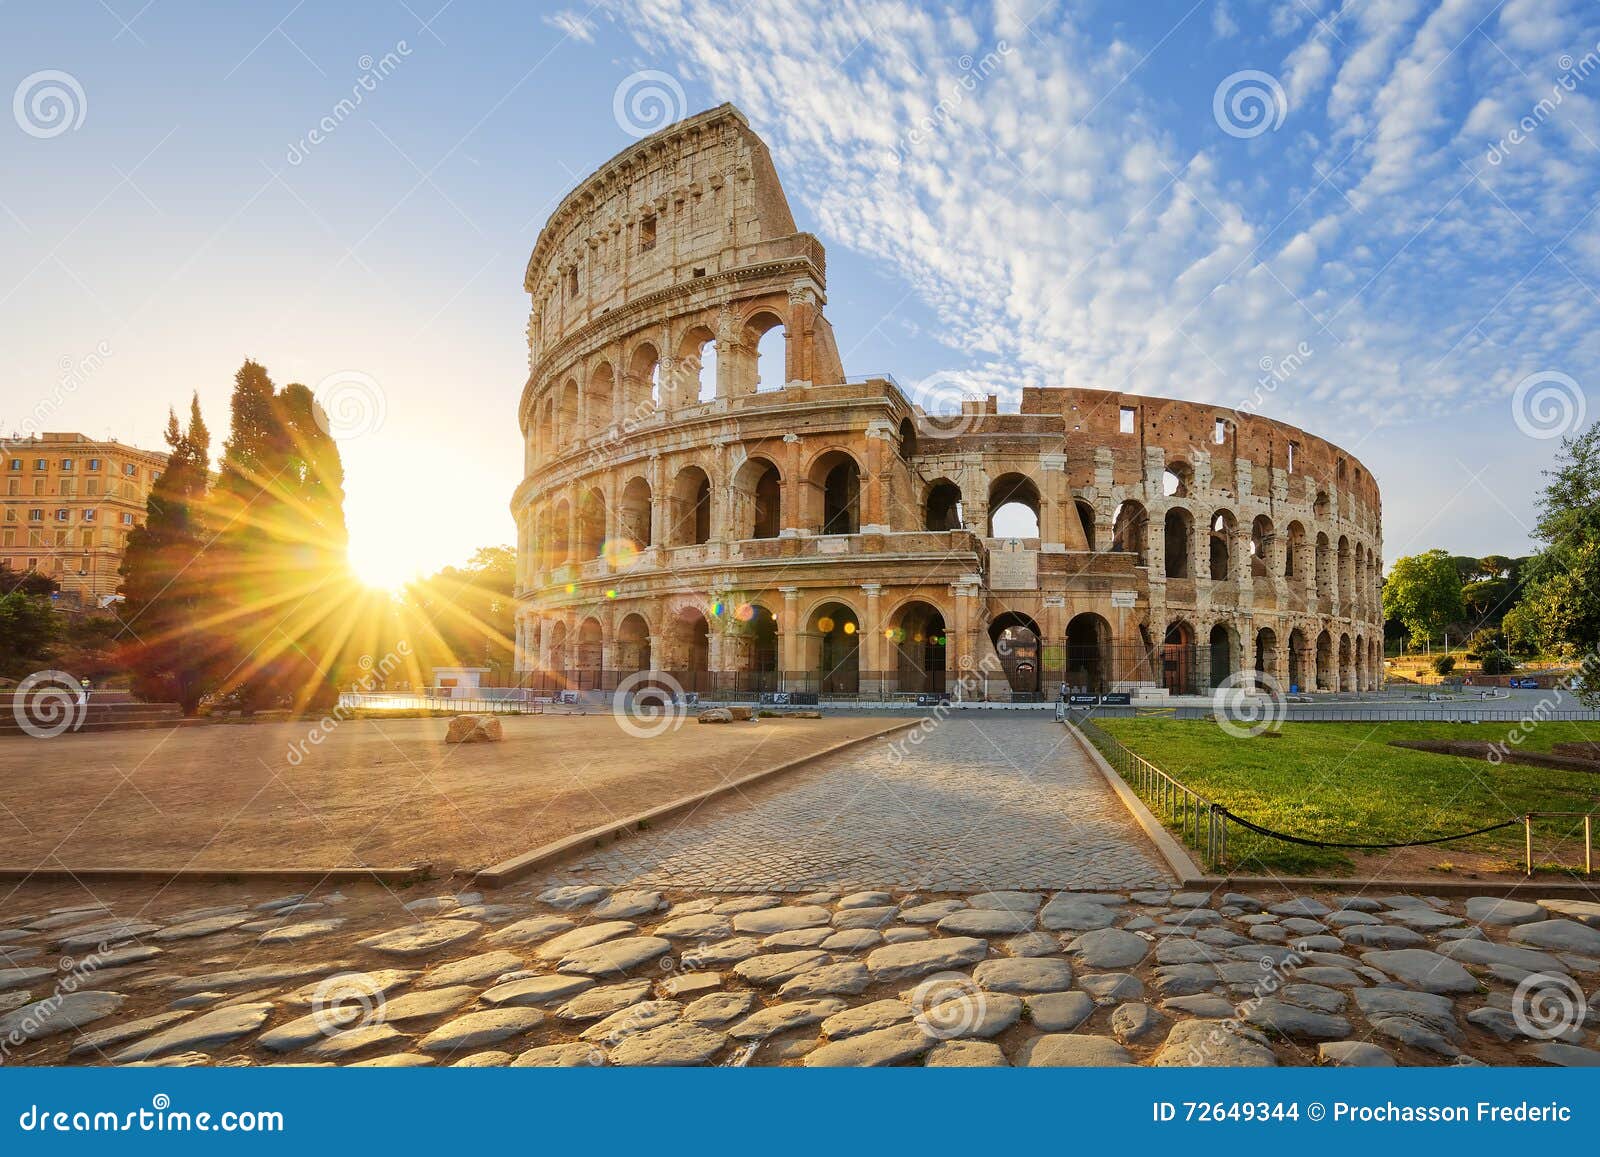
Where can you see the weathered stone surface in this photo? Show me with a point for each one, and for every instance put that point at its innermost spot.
(1419, 968)
(309, 1029)
(1007, 901)
(1583, 911)
(58, 1013)
(428, 1002)
(873, 918)
(1134, 1020)
(965, 1054)
(1024, 974)
(971, 1015)
(1570, 1056)
(204, 1031)
(670, 1044)
(776, 967)
(884, 1046)
(1176, 950)
(705, 926)
(533, 930)
(1205, 1004)
(257, 974)
(848, 978)
(1112, 986)
(866, 1018)
(488, 1059)
(538, 990)
(907, 961)
(20, 977)
(615, 956)
(690, 984)
(1328, 975)
(570, 896)
(1436, 1012)
(421, 939)
(343, 1044)
(206, 926)
(1502, 911)
(484, 966)
(792, 1014)
(801, 938)
(476, 1029)
(627, 904)
(1071, 914)
(603, 1001)
(1382, 936)
(931, 913)
(1299, 906)
(1347, 917)
(1488, 952)
(1210, 1043)
(106, 932)
(1060, 1011)
(719, 1008)
(640, 1017)
(1109, 949)
(296, 933)
(715, 715)
(1314, 996)
(1561, 935)
(1033, 944)
(474, 729)
(571, 1055)
(1353, 1054)
(1185, 979)
(583, 936)
(864, 900)
(769, 920)
(1287, 1019)
(986, 922)
(1414, 1034)
(851, 940)
(104, 1038)
(900, 934)
(1071, 1050)
(730, 951)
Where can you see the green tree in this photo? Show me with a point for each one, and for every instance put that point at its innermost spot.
(164, 575)
(1423, 592)
(468, 612)
(29, 626)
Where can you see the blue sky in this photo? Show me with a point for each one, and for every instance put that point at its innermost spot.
(1393, 199)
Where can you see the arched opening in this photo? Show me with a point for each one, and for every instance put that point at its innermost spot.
(1223, 528)
(1294, 552)
(1325, 673)
(918, 637)
(1179, 532)
(754, 639)
(633, 514)
(833, 639)
(1086, 520)
(560, 534)
(1176, 480)
(1089, 654)
(1178, 659)
(942, 510)
(835, 487)
(1222, 652)
(1362, 677)
(601, 400)
(1261, 546)
(1130, 530)
(567, 416)
(591, 524)
(1014, 507)
(547, 429)
(1321, 507)
(558, 646)
(1299, 656)
(767, 336)
(760, 490)
(1346, 676)
(1267, 653)
(688, 647)
(590, 651)
(633, 645)
(1324, 568)
(1016, 640)
(690, 508)
(644, 383)
(908, 439)
(1343, 575)
(697, 367)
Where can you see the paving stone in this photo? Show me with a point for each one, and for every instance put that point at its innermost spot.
(770, 920)
(572, 896)
(1153, 898)
(58, 1013)
(1317, 944)
(1314, 996)
(472, 969)
(583, 936)
(1071, 1050)
(1220, 937)
(571, 1055)
(1419, 968)
(1299, 906)
(489, 1059)
(866, 1018)
(1134, 1021)
(343, 1044)
(629, 903)
(688, 984)
(1382, 936)
(1359, 904)
(1562, 935)
(719, 1008)
(1569, 1056)
(729, 951)
(1204, 1004)
(538, 990)
(1064, 914)
(864, 900)
(428, 1003)
(430, 905)
(895, 962)
(776, 967)
(745, 904)
(1502, 911)
(421, 939)
(1109, 949)
(1059, 1011)
(297, 933)
(669, 1045)
(1347, 917)
(902, 935)
(1436, 1012)
(645, 1015)
(1241, 901)
(204, 926)
(1415, 1035)
(852, 940)
(207, 1030)
(971, 1015)
(305, 1030)
(1185, 979)
(1488, 952)
(965, 1054)
(706, 926)
(986, 922)
(1269, 933)
(1583, 911)
(1287, 1019)
(798, 938)
(1462, 934)
(476, 1029)
(1503, 1025)
(1352, 1054)
(849, 978)
(1007, 901)
(931, 913)
(782, 1017)
(1304, 925)
(1423, 919)
(1212, 1043)
(533, 930)
(865, 917)
(1117, 986)
(615, 956)
(1032, 944)
(1024, 974)
(603, 1001)
(107, 933)
(884, 1046)
(102, 1039)
(1179, 951)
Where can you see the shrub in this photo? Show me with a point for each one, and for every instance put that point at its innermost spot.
(1444, 664)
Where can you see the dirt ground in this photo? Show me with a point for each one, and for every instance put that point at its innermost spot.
(381, 793)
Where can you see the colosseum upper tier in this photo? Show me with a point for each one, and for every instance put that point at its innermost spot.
(708, 496)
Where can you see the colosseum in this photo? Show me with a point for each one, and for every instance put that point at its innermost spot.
(708, 496)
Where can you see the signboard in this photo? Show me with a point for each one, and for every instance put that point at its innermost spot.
(788, 698)
(1055, 600)
(1117, 699)
(1014, 570)
(1124, 600)
(1083, 700)
(690, 698)
(925, 700)
(566, 696)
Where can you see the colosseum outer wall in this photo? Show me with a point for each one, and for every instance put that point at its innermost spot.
(708, 496)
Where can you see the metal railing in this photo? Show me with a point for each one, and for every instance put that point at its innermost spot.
(1588, 837)
(410, 701)
(1201, 822)
(1357, 713)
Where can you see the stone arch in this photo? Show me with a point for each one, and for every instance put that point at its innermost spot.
(1326, 676)
(1017, 493)
(1223, 657)
(1089, 653)
(1130, 530)
(1294, 560)
(633, 513)
(752, 637)
(831, 647)
(558, 645)
(633, 644)
(1177, 480)
(1266, 656)
(696, 367)
(908, 439)
(1359, 653)
(689, 507)
(1178, 658)
(1263, 541)
(1017, 640)
(567, 415)
(1222, 531)
(687, 645)
(1301, 655)
(942, 506)
(643, 395)
(1178, 536)
(589, 649)
(917, 632)
(1346, 675)
(758, 493)
(766, 340)
(560, 534)
(833, 488)
(1324, 567)
(1085, 511)
(600, 399)
(591, 524)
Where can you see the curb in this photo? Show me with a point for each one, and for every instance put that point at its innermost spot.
(396, 876)
(1356, 884)
(1179, 862)
(503, 873)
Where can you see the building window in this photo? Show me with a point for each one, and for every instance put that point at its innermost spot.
(1125, 420)
(88, 515)
(1293, 446)
(94, 486)
(16, 463)
(35, 516)
(647, 234)
(41, 464)
(1219, 435)
(572, 282)
(63, 516)
(94, 463)
(66, 463)
(130, 469)
(127, 520)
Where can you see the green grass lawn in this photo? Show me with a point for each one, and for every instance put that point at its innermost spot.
(1343, 782)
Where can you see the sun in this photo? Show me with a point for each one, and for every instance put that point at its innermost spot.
(383, 562)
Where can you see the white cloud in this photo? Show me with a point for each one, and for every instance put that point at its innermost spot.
(577, 25)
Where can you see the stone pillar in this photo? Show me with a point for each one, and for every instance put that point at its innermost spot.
(1054, 501)
(798, 359)
(793, 514)
(880, 439)
(789, 632)
(872, 647)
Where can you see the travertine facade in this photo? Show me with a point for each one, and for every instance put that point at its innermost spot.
(773, 522)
